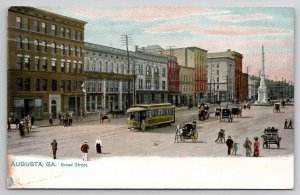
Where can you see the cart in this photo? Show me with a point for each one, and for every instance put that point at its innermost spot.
(226, 114)
(271, 137)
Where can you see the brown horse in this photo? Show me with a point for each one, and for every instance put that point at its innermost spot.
(104, 117)
(221, 136)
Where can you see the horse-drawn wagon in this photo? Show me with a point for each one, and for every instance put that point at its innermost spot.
(186, 132)
(271, 136)
(226, 114)
(236, 111)
(203, 112)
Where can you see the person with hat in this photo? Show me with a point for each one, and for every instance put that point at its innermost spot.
(256, 147)
(54, 148)
(98, 145)
(229, 143)
(84, 150)
(247, 145)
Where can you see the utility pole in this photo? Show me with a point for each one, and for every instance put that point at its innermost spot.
(126, 40)
(282, 88)
(170, 98)
(227, 91)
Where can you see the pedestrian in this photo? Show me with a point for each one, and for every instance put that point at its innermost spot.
(21, 128)
(84, 150)
(50, 120)
(54, 148)
(17, 121)
(290, 124)
(285, 124)
(9, 124)
(229, 143)
(98, 145)
(235, 146)
(247, 145)
(143, 126)
(256, 147)
(70, 119)
(194, 123)
(32, 120)
(60, 118)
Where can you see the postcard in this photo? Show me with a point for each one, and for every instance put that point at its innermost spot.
(150, 97)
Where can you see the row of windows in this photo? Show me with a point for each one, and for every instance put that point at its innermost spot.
(111, 86)
(149, 84)
(24, 63)
(186, 88)
(42, 46)
(161, 112)
(188, 78)
(38, 26)
(24, 84)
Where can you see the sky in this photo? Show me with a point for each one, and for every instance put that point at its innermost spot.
(241, 29)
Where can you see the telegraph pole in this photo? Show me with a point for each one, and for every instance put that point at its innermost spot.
(126, 40)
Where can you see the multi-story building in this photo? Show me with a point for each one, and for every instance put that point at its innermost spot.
(195, 58)
(244, 88)
(186, 85)
(45, 63)
(151, 77)
(230, 74)
(107, 78)
(253, 84)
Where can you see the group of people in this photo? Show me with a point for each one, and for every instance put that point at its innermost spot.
(65, 119)
(25, 125)
(84, 148)
(286, 126)
(232, 144)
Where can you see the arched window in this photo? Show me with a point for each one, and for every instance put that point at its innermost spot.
(26, 44)
(44, 46)
(67, 49)
(93, 65)
(111, 67)
(122, 68)
(117, 67)
(100, 66)
(105, 68)
(63, 52)
(87, 66)
(19, 43)
(36, 45)
(53, 48)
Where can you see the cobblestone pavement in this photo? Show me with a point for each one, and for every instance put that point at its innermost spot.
(118, 140)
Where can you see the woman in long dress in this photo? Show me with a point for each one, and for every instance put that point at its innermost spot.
(98, 145)
(256, 147)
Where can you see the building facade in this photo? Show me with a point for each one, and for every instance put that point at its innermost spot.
(195, 58)
(186, 85)
(173, 81)
(244, 87)
(45, 63)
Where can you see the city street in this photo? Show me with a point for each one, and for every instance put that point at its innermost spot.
(119, 141)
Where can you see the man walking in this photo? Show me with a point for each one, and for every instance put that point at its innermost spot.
(84, 150)
(229, 143)
(247, 145)
(290, 124)
(285, 124)
(54, 148)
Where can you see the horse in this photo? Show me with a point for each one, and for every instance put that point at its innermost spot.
(221, 136)
(104, 117)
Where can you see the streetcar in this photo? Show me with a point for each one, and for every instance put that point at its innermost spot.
(150, 115)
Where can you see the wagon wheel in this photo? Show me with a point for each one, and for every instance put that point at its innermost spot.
(195, 136)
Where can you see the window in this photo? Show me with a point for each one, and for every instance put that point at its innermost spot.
(26, 24)
(156, 84)
(26, 63)
(148, 70)
(62, 31)
(44, 65)
(44, 84)
(68, 33)
(26, 44)
(69, 85)
(163, 85)
(69, 49)
(63, 49)
(62, 66)
(19, 62)
(217, 65)
(217, 72)
(163, 72)
(27, 84)
(79, 67)
(37, 84)
(74, 34)
(140, 83)
(44, 46)
(68, 67)
(36, 46)
(18, 22)
(36, 64)
(36, 26)
(54, 85)
(148, 84)
(79, 35)
(111, 67)
(53, 65)
(75, 51)
(53, 29)
(62, 85)
(44, 27)
(53, 48)
(74, 67)
(19, 43)
(19, 84)
(217, 79)
(80, 52)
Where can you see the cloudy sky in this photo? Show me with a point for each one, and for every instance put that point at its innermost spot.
(214, 29)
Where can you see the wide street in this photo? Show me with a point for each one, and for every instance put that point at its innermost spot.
(120, 141)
